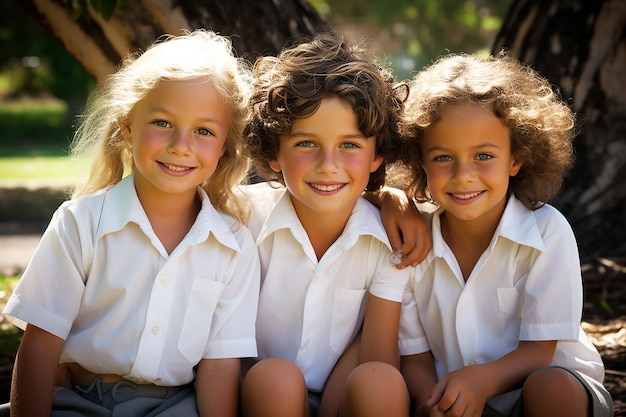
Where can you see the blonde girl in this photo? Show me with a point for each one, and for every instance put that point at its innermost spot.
(145, 285)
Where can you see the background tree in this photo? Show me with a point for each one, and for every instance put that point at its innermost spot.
(580, 46)
(99, 33)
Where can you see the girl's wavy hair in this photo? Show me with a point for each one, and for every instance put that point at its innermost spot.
(292, 86)
(541, 126)
(197, 55)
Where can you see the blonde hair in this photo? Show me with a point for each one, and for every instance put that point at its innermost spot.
(192, 55)
(541, 126)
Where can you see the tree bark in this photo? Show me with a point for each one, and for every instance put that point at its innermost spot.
(256, 28)
(580, 46)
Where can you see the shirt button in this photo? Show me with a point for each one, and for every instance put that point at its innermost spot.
(155, 330)
(164, 280)
(306, 343)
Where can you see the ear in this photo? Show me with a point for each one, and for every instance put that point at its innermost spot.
(516, 165)
(124, 124)
(275, 165)
(376, 162)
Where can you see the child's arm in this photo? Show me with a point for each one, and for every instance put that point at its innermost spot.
(420, 376)
(406, 228)
(467, 389)
(217, 387)
(379, 338)
(32, 385)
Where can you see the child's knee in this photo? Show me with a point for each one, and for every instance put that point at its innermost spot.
(553, 384)
(375, 388)
(375, 378)
(275, 372)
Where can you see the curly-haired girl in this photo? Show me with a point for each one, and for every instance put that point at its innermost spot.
(498, 301)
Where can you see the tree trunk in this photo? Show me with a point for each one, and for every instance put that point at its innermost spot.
(256, 28)
(580, 46)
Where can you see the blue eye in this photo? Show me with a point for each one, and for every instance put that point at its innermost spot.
(483, 156)
(306, 144)
(161, 123)
(443, 158)
(350, 145)
(205, 132)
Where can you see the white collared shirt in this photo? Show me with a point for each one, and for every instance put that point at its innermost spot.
(102, 281)
(310, 311)
(527, 285)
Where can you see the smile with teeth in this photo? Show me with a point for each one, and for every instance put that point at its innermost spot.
(326, 188)
(174, 167)
(465, 196)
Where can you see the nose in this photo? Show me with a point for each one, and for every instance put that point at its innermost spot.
(180, 143)
(463, 172)
(327, 161)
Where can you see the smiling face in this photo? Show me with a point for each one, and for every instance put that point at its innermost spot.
(177, 132)
(468, 162)
(326, 161)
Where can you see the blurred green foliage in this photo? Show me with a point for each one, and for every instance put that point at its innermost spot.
(410, 34)
(34, 121)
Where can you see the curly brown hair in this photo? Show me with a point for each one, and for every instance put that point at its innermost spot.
(541, 125)
(292, 86)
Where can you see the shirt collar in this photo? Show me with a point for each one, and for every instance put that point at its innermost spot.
(364, 220)
(121, 206)
(517, 224)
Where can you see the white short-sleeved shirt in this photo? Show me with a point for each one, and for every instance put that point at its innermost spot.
(527, 285)
(102, 281)
(310, 311)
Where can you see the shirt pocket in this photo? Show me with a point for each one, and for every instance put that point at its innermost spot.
(346, 316)
(196, 326)
(509, 301)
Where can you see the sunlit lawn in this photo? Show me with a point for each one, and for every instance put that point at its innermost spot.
(39, 170)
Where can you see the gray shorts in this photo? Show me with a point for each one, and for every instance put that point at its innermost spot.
(124, 399)
(510, 404)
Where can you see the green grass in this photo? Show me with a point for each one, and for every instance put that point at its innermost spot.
(40, 169)
(34, 144)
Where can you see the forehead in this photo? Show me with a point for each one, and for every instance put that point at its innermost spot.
(467, 123)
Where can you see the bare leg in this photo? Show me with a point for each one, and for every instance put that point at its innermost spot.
(554, 392)
(375, 389)
(274, 387)
(336, 384)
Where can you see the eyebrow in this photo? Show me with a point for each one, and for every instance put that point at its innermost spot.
(299, 133)
(480, 146)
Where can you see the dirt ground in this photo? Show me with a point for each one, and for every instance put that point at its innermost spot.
(604, 320)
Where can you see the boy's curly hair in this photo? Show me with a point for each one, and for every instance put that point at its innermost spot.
(292, 86)
(541, 126)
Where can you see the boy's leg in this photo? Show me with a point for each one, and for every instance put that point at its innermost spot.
(336, 384)
(274, 387)
(556, 391)
(375, 389)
